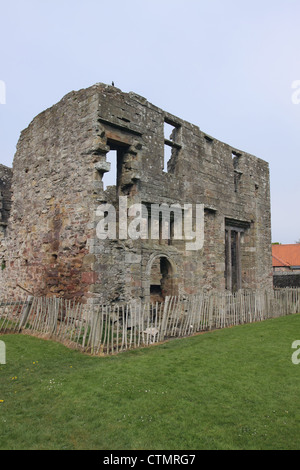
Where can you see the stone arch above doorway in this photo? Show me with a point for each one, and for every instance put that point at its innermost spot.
(161, 278)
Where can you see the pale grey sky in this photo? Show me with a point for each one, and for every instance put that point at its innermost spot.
(225, 65)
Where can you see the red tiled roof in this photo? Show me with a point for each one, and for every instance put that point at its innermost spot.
(286, 255)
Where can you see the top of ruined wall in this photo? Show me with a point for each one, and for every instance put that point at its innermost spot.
(65, 142)
(202, 168)
(73, 134)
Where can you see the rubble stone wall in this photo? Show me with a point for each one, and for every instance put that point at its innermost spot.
(51, 245)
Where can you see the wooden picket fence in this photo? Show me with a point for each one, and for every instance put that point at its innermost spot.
(109, 329)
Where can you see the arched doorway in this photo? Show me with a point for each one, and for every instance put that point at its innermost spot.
(162, 277)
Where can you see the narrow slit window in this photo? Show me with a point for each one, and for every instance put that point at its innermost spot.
(171, 144)
(167, 157)
(237, 181)
(233, 279)
(235, 158)
(234, 239)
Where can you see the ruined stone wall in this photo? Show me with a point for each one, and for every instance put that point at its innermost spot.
(52, 247)
(46, 242)
(5, 197)
(233, 186)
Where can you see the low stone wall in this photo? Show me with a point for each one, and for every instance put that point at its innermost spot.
(286, 279)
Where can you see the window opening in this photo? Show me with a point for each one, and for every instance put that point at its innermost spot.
(169, 131)
(171, 144)
(237, 173)
(233, 279)
(110, 178)
(115, 157)
(167, 156)
(237, 180)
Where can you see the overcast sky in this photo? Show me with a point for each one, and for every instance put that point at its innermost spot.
(227, 66)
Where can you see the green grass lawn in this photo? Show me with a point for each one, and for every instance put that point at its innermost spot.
(228, 389)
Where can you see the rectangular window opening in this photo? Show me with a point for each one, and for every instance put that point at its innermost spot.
(110, 178)
(237, 180)
(115, 157)
(167, 156)
(171, 142)
(169, 131)
(165, 226)
(235, 158)
(233, 273)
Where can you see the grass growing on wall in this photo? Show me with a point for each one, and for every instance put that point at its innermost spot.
(235, 388)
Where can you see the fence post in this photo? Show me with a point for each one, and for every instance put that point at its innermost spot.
(25, 312)
(164, 318)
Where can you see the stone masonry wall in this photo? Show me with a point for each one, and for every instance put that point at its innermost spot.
(5, 197)
(46, 245)
(286, 279)
(51, 245)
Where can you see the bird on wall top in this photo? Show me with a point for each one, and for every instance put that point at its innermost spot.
(113, 83)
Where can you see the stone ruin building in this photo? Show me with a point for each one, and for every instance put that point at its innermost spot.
(49, 201)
